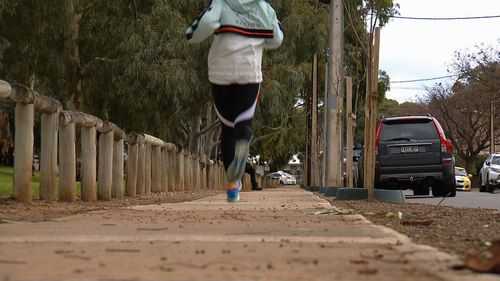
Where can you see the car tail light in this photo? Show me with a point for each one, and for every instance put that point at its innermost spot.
(448, 162)
(446, 145)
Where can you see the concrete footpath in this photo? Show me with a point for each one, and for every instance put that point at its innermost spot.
(280, 234)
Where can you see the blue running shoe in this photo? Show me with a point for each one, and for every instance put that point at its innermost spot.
(233, 191)
(237, 167)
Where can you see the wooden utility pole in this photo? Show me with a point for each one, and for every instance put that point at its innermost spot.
(335, 92)
(349, 133)
(371, 112)
(314, 124)
(492, 127)
(324, 161)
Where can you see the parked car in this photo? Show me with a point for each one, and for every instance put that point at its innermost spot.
(489, 175)
(284, 178)
(412, 152)
(462, 179)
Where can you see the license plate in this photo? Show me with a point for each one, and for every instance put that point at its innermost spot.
(409, 149)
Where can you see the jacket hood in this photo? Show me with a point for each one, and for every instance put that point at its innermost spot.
(241, 6)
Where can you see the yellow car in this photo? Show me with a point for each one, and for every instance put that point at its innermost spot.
(462, 179)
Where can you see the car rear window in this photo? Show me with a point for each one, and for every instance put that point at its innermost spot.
(408, 129)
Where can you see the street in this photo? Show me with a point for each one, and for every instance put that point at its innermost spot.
(463, 199)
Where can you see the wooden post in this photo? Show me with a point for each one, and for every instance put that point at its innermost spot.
(155, 168)
(209, 174)
(203, 173)
(141, 169)
(171, 167)
(105, 164)
(132, 165)
(215, 176)
(335, 88)
(164, 169)
(48, 156)
(88, 164)
(188, 185)
(147, 178)
(492, 127)
(195, 171)
(24, 140)
(374, 105)
(67, 158)
(179, 177)
(367, 150)
(117, 185)
(314, 125)
(371, 115)
(349, 133)
(222, 179)
(23, 151)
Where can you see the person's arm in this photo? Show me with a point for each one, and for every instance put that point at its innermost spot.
(206, 23)
(278, 35)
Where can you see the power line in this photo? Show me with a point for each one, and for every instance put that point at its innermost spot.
(408, 88)
(446, 18)
(423, 79)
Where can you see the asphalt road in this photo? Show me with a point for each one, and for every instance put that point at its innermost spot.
(463, 199)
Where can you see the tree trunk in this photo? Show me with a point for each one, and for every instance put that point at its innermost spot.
(469, 165)
(72, 60)
(194, 137)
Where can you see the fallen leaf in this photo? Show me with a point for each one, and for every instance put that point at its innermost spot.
(359, 262)
(486, 261)
(398, 215)
(417, 222)
(368, 271)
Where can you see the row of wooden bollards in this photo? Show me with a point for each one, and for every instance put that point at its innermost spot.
(156, 166)
(152, 165)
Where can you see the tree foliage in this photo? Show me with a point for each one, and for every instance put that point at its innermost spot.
(463, 108)
(128, 61)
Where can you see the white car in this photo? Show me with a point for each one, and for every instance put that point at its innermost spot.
(284, 178)
(489, 175)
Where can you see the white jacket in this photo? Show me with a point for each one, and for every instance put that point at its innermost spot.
(242, 28)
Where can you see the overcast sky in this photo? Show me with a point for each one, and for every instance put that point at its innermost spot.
(416, 49)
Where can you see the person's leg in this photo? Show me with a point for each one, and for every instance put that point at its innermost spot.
(253, 179)
(246, 104)
(235, 107)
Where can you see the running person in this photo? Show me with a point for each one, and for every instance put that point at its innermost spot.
(243, 29)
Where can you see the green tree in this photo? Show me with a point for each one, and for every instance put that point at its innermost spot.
(128, 61)
(464, 107)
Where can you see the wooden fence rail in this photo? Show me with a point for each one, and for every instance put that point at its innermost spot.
(152, 165)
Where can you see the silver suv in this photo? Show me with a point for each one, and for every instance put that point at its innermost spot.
(412, 152)
(489, 175)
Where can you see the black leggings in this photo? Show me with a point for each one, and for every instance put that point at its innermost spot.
(235, 105)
